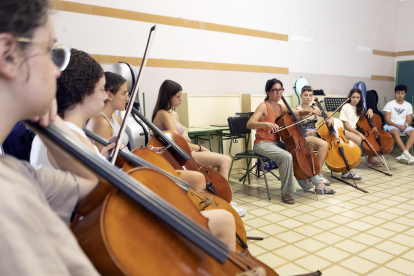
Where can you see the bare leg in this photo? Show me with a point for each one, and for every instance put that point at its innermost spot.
(321, 146)
(194, 178)
(214, 159)
(396, 135)
(410, 141)
(222, 225)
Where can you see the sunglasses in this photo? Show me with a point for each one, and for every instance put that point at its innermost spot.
(60, 53)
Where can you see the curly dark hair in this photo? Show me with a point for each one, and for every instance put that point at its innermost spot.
(77, 81)
(22, 17)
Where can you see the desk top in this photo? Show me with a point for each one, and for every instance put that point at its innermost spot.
(206, 129)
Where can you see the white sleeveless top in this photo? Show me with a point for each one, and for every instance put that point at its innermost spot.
(115, 130)
(38, 154)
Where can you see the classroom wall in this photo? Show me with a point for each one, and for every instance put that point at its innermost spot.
(405, 37)
(234, 46)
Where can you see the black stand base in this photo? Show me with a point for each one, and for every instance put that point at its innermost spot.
(386, 173)
(350, 184)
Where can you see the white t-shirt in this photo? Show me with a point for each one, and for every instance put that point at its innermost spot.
(38, 154)
(398, 112)
(349, 114)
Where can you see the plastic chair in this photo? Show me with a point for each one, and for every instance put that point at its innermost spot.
(239, 131)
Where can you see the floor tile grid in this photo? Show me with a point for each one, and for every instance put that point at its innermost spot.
(342, 189)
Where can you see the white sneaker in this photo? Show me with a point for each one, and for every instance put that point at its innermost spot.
(240, 211)
(324, 180)
(234, 204)
(351, 175)
(402, 159)
(410, 160)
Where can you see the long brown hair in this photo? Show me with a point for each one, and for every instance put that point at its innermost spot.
(360, 105)
(167, 91)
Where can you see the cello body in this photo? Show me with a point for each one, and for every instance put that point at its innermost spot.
(305, 162)
(122, 238)
(202, 200)
(220, 184)
(342, 154)
(380, 140)
(337, 143)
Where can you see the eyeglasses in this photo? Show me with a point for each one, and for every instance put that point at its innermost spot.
(60, 53)
(277, 90)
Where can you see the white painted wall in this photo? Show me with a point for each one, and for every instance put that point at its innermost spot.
(325, 41)
(405, 37)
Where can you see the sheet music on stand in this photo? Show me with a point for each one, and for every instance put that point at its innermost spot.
(331, 104)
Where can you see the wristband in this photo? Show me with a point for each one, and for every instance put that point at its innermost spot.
(199, 147)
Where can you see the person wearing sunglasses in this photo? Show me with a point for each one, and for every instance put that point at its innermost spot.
(265, 144)
(36, 204)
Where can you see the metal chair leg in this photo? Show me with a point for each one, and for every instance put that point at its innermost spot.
(265, 178)
(232, 161)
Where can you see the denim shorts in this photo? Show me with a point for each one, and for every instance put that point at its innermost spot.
(388, 128)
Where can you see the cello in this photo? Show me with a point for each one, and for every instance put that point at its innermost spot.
(343, 155)
(142, 157)
(179, 155)
(305, 163)
(129, 222)
(377, 141)
(381, 141)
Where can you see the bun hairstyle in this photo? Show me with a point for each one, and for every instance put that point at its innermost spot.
(22, 17)
(113, 82)
(269, 85)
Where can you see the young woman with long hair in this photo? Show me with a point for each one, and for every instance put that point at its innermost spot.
(165, 118)
(350, 113)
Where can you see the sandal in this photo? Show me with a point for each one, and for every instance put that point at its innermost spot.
(326, 191)
(288, 199)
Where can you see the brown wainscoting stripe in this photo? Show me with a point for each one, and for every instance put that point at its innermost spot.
(384, 53)
(406, 53)
(165, 20)
(382, 78)
(185, 64)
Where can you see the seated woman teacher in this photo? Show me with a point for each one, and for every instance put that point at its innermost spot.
(263, 120)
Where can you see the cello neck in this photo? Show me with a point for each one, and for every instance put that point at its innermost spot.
(143, 196)
(325, 117)
(293, 116)
(137, 161)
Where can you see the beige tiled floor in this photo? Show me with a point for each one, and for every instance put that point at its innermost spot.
(349, 233)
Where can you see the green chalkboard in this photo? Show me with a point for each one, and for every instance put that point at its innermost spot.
(405, 75)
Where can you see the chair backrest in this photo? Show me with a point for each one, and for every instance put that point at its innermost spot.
(237, 125)
(19, 142)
